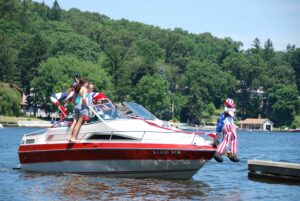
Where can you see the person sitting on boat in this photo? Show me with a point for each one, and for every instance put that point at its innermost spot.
(98, 97)
(67, 96)
(57, 98)
(80, 108)
(90, 91)
(226, 129)
(76, 81)
(104, 108)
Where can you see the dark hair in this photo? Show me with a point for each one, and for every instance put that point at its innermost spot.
(79, 85)
(76, 76)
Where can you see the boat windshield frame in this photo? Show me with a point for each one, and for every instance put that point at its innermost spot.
(106, 111)
(139, 111)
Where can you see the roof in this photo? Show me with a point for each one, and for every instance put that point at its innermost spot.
(255, 121)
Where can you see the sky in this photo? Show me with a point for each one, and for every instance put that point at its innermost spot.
(241, 20)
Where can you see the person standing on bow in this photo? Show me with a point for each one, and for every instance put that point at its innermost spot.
(58, 98)
(80, 101)
(226, 129)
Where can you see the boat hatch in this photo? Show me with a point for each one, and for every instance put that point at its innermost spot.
(140, 111)
(109, 137)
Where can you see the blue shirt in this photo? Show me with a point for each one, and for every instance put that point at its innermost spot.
(220, 123)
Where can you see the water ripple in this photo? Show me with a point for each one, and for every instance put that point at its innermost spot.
(226, 181)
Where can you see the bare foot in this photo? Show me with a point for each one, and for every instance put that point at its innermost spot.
(73, 140)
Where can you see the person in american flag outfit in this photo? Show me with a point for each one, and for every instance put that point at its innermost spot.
(226, 129)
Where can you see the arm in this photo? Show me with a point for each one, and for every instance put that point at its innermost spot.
(84, 100)
(74, 98)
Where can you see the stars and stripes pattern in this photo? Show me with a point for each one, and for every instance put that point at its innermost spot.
(230, 135)
(229, 103)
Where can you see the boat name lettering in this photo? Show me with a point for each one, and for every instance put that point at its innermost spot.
(163, 152)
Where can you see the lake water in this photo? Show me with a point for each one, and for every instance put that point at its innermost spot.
(215, 181)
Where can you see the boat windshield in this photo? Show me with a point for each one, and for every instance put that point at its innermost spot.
(140, 111)
(106, 111)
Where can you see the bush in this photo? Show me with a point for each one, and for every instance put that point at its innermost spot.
(9, 101)
(296, 122)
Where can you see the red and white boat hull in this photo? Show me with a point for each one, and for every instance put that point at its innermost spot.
(117, 159)
(180, 169)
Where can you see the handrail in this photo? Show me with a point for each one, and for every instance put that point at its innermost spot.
(140, 139)
(36, 132)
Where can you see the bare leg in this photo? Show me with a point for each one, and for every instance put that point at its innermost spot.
(71, 131)
(77, 128)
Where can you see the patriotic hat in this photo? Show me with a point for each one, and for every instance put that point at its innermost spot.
(229, 103)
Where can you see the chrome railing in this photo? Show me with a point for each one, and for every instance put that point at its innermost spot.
(140, 136)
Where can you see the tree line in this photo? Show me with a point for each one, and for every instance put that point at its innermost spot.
(43, 47)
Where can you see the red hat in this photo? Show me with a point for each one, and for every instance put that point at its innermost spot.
(229, 103)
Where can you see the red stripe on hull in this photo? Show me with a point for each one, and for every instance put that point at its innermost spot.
(61, 152)
(68, 146)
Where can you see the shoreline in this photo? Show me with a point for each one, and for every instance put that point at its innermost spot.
(16, 122)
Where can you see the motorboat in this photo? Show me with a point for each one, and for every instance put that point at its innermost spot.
(131, 143)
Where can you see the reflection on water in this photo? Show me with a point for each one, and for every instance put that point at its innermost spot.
(78, 187)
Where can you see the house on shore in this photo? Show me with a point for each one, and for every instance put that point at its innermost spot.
(256, 124)
(29, 109)
(19, 90)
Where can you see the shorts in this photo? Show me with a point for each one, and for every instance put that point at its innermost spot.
(83, 112)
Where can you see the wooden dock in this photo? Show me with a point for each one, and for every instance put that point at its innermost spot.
(259, 169)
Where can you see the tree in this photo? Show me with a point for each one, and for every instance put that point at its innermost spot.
(146, 54)
(23, 16)
(201, 70)
(203, 84)
(268, 51)
(256, 46)
(8, 8)
(8, 71)
(116, 46)
(284, 104)
(9, 101)
(30, 57)
(56, 11)
(294, 60)
(42, 10)
(178, 50)
(56, 75)
(211, 82)
(152, 92)
(250, 73)
(72, 43)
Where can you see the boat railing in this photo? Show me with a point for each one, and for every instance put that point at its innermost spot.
(39, 132)
(112, 136)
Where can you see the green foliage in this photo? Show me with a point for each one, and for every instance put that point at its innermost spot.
(32, 53)
(55, 13)
(296, 122)
(151, 91)
(71, 43)
(8, 9)
(293, 57)
(205, 83)
(56, 75)
(41, 48)
(211, 82)
(249, 70)
(268, 51)
(9, 101)
(8, 69)
(285, 104)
